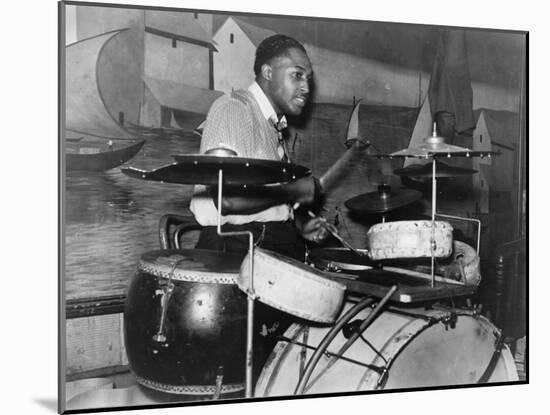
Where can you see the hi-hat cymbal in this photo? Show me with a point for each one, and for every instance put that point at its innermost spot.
(435, 146)
(441, 170)
(204, 169)
(383, 200)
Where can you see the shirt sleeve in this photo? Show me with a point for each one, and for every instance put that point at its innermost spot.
(228, 125)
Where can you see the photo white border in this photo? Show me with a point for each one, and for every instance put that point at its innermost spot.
(29, 144)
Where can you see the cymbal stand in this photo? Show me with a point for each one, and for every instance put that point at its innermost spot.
(250, 291)
(476, 221)
(434, 201)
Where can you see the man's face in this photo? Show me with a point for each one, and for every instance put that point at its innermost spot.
(288, 82)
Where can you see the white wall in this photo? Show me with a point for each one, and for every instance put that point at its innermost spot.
(340, 76)
(233, 63)
(186, 63)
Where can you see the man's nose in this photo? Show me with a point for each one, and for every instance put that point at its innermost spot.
(304, 86)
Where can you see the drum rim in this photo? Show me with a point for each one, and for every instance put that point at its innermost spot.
(166, 271)
(187, 389)
(439, 224)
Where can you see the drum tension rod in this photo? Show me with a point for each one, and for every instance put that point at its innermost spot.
(165, 291)
(377, 369)
(219, 383)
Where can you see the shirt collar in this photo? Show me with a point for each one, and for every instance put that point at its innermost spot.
(266, 107)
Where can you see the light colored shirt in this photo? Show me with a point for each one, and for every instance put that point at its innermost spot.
(244, 122)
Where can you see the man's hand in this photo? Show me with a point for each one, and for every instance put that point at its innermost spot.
(313, 229)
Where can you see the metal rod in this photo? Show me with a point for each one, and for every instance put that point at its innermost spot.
(434, 199)
(332, 333)
(477, 221)
(362, 327)
(250, 291)
(422, 275)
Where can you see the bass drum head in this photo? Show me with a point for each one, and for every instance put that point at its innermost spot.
(419, 352)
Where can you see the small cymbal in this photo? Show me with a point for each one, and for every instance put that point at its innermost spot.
(383, 200)
(204, 168)
(441, 170)
(435, 146)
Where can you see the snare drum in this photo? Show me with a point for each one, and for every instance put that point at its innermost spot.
(410, 239)
(414, 348)
(185, 322)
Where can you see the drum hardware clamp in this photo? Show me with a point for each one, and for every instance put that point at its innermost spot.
(165, 292)
(219, 383)
(301, 387)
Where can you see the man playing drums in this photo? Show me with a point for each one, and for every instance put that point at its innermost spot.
(249, 122)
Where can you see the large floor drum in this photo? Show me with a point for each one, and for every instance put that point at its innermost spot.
(181, 342)
(422, 348)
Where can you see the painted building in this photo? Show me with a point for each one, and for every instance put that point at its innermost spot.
(339, 76)
(236, 43)
(172, 53)
(178, 65)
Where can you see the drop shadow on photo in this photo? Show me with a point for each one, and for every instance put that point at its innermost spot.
(48, 403)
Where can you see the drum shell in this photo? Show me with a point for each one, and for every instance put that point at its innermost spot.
(410, 239)
(421, 354)
(293, 287)
(205, 328)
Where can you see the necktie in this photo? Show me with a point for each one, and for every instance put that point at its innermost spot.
(280, 125)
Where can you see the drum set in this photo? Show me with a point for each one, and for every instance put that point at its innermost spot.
(365, 318)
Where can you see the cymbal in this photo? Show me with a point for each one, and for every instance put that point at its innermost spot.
(435, 146)
(441, 170)
(204, 168)
(383, 200)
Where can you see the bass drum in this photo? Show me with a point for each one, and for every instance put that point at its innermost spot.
(185, 322)
(418, 348)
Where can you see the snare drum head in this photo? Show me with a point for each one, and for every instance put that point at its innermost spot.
(336, 259)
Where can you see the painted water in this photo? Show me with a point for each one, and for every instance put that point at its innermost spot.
(110, 219)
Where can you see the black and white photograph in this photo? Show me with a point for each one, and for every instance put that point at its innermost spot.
(264, 206)
(259, 206)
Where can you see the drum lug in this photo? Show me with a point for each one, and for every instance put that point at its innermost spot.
(219, 383)
(450, 320)
(165, 293)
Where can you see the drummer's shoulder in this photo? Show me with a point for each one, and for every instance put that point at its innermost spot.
(234, 102)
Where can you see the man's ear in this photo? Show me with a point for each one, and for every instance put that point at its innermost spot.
(266, 71)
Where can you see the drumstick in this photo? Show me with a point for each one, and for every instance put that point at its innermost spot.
(422, 275)
(334, 233)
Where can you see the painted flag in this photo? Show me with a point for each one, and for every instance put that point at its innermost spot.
(450, 86)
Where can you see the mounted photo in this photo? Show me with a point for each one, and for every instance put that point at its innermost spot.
(267, 206)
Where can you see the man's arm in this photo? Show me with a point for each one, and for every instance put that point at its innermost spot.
(253, 199)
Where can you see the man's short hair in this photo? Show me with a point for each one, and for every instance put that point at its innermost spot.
(273, 47)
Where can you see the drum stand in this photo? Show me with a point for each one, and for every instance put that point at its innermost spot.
(250, 291)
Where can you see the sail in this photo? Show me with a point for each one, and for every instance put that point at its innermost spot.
(103, 86)
(422, 129)
(353, 124)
